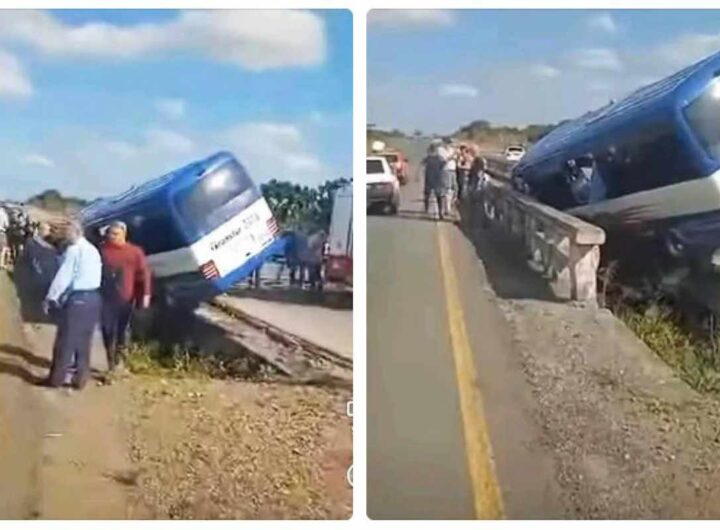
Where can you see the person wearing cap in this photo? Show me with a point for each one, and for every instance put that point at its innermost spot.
(126, 284)
(74, 296)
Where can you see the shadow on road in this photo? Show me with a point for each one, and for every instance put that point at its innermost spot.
(16, 369)
(25, 355)
(504, 260)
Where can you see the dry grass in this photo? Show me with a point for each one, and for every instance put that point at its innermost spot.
(218, 450)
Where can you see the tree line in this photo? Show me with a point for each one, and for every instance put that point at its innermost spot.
(295, 206)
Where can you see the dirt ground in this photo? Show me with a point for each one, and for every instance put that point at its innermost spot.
(185, 448)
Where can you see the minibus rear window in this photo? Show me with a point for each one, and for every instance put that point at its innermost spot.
(214, 199)
(703, 114)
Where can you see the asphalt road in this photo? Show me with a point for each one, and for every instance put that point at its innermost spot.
(450, 416)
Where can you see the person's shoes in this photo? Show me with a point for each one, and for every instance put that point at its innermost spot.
(120, 371)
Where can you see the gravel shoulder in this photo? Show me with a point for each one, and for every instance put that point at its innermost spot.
(630, 439)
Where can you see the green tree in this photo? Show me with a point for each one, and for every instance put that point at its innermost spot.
(294, 205)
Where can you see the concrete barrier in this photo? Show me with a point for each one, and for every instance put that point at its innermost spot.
(498, 167)
(565, 249)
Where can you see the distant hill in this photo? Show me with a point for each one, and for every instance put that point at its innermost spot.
(53, 201)
(484, 133)
(389, 136)
(480, 132)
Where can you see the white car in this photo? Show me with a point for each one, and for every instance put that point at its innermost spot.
(383, 188)
(514, 153)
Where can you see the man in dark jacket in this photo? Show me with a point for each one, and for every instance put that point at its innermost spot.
(38, 265)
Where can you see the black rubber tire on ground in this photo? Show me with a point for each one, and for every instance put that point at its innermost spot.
(392, 208)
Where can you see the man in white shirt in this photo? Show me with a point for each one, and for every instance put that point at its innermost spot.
(447, 152)
(4, 250)
(75, 293)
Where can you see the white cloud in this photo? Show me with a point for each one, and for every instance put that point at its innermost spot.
(302, 162)
(688, 49)
(458, 90)
(168, 140)
(544, 71)
(410, 18)
(602, 22)
(600, 86)
(124, 149)
(273, 150)
(597, 59)
(172, 108)
(155, 140)
(13, 80)
(36, 159)
(254, 39)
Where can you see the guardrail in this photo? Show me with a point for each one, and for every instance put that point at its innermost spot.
(498, 167)
(565, 249)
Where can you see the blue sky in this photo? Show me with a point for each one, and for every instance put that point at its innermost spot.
(92, 101)
(437, 70)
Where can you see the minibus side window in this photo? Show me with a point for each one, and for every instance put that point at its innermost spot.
(154, 231)
(651, 158)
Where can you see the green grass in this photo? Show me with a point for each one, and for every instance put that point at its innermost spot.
(694, 358)
(152, 358)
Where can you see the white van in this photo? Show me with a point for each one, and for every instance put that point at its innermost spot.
(339, 266)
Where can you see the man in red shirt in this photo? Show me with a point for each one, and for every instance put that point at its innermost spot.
(126, 283)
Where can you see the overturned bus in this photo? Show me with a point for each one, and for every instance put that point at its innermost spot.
(647, 166)
(204, 227)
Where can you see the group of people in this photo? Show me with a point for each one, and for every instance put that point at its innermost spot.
(80, 285)
(15, 228)
(305, 257)
(451, 173)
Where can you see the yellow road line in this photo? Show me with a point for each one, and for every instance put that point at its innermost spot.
(487, 498)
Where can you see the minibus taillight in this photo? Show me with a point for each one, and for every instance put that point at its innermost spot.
(209, 270)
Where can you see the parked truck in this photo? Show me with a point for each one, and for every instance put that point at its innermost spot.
(339, 265)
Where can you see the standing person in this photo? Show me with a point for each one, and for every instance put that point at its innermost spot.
(463, 166)
(17, 232)
(314, 258)
(447, 153)
(38, 265)
(74, 295)
(4, 249)
(126, 283)
(476, 173)
(292, 261)
(434, 166)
